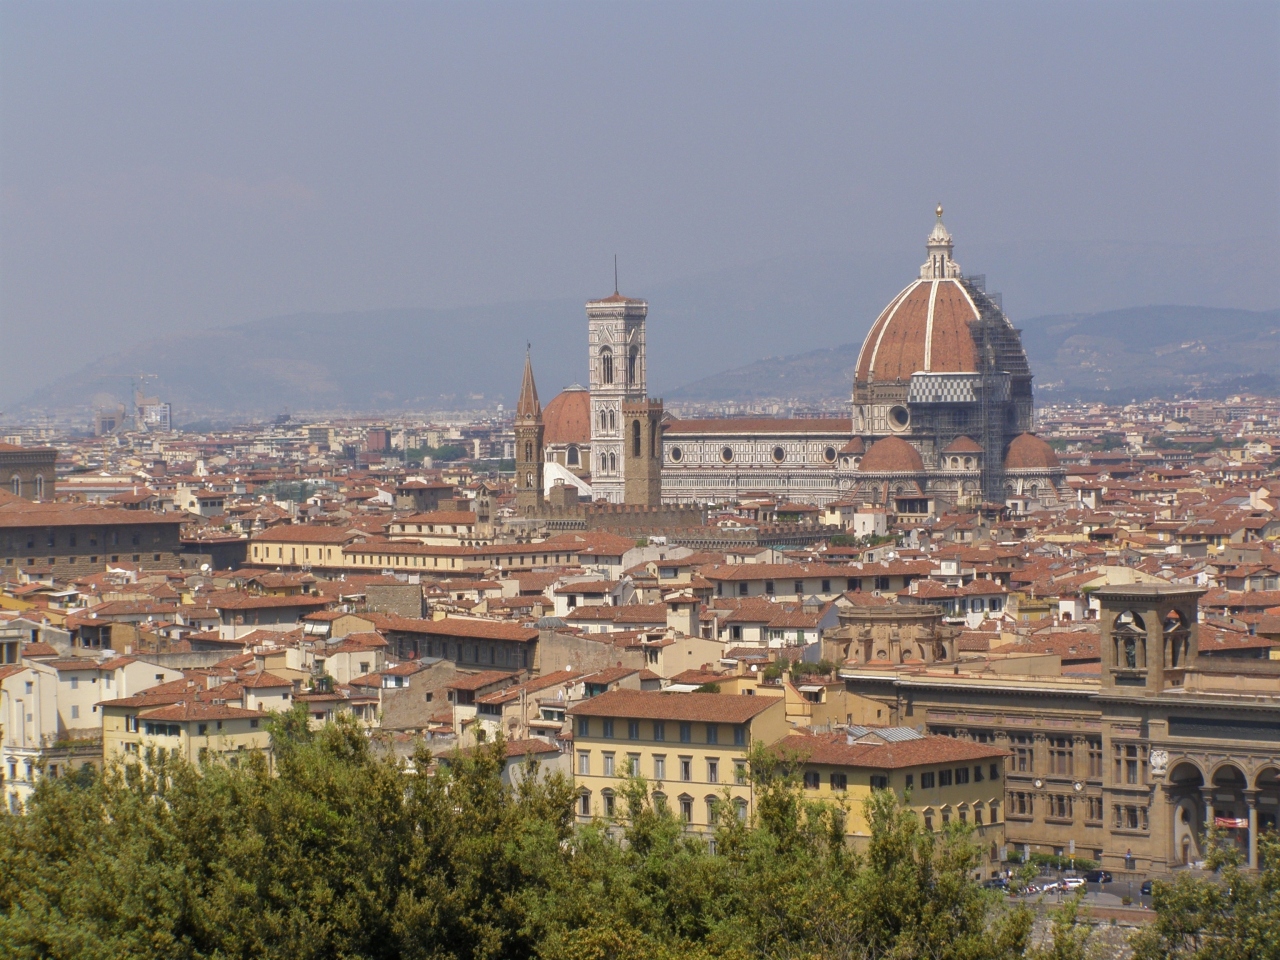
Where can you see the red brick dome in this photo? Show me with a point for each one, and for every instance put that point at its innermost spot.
(567, 418)
(1029, 452)
(962, 445)
(892, 455)
(924, 328)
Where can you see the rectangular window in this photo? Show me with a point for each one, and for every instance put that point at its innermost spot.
(799, 588)
(742, 589)
(608, 764)
(713, 771)
(811, 780)
(977, 774)
(879, 782)
(608, 804)
(962, 774)
(75, 683)
(910, 780)
(944, 778)
(659, 730)
(686, 733)
(926, 780)
(1095, 760)
(1061, 756)
(686, 769)
(713, 733)
(839, 781)
(584, 763)
(584, 804)
(768, 587)
(75, 712)
(659, 768)
(686, 805)
(739, 772)
(633, 764)
(584, 727)
(739, 736)
(826, 586)
(1023, 753)
(994, 771)
(633, 729)
(607, 733)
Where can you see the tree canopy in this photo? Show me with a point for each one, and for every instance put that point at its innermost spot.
(338, 851)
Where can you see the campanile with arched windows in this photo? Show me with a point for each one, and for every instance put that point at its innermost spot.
(529, 442)
(616, 361)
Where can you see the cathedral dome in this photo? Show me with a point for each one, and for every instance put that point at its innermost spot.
(1029, 452)
(892, 455)
(925, 328)
(567, 417)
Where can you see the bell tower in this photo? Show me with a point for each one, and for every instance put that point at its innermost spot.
(1149, 636)
(616, 359)
(529, 443)
(642, 452)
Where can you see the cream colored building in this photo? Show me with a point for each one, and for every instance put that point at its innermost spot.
(690, 747)
(194, 729)
(940, 778)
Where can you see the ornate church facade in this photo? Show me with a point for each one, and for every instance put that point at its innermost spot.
(941, 415)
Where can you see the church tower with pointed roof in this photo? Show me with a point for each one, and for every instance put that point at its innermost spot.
(529, 431)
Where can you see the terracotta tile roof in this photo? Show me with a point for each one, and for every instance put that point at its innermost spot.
(833, 750)
(306, 533)
(477, 681)
(757, 425)
(235, 600)
(455, 627)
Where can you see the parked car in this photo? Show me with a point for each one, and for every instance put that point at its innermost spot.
(996, 883)
(1072, 883)
(1098, 876)
(1145, 889)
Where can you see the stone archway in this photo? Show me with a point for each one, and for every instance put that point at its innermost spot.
(1185, 787)
(1228, 800)
(1267, 784)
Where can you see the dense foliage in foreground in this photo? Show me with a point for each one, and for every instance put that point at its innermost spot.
(341, 853)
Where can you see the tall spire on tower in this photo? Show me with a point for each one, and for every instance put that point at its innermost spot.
(528, 407)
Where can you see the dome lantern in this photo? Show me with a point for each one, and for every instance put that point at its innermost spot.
(939, 266)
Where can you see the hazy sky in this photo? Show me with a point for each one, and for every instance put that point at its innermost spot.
(175, 165)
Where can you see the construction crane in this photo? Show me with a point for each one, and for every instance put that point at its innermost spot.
(136, 392)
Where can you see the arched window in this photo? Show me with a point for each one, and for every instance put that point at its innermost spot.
(528, 480)
(16, 484)
(604, 421)
(571, 457)
(39, 486)
(606, 365)
(633, 362)
(613, 463)
(613, 421)
(635, 438)
(528, 450)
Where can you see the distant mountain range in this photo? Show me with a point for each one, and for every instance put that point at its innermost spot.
(707, 332)
(1117, 355)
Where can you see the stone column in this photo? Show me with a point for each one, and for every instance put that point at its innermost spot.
(1207, 794)
(1251, 798)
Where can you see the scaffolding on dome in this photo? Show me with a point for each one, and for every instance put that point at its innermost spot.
(1001, 356)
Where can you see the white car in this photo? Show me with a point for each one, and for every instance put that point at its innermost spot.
(1072, 883)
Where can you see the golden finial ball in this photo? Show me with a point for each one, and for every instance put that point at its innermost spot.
(939, 211)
